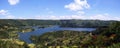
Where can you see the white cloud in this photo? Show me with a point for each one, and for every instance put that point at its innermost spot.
(3, 12)
(78, 5)
(60, 17)
(104, 17)
(100, 16)
(13, 2)
(94, 17)
(10, 17)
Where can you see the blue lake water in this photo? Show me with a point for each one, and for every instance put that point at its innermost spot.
(25, 36)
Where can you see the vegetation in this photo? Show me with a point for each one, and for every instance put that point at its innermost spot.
(105, 36)
(62, 23)
(61, 38)
(101, 38)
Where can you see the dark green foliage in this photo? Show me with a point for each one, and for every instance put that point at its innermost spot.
(107, 34)
(3, 34)
(62, 23)
(84, 23)
(110, 35)
(103, 37)
(11, 44)
(28, 22)
(61, 38)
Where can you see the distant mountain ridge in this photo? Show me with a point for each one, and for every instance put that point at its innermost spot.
(64, 23)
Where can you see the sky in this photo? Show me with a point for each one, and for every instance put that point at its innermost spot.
(60, 9)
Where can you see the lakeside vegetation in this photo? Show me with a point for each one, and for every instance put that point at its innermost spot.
(106, 36)
(101, 38)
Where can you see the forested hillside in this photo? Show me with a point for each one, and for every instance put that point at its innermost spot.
(106, 35)
(62, 23)
(101, 38)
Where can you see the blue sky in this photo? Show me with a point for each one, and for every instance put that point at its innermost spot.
(60, 9)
